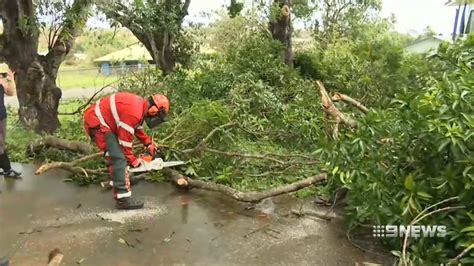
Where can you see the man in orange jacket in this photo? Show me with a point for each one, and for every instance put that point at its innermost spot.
(112, 123)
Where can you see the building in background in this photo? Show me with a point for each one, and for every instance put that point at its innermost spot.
(130, 58)
(427, 45)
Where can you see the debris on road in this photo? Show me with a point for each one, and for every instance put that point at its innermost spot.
(256, 230)
(55, 257)
(125, 242)
(168, 239)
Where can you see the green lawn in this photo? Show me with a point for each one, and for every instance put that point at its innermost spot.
(83, 78)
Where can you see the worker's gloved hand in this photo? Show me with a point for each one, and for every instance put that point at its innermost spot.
(136, 163)
(151, 149)
(154, 150)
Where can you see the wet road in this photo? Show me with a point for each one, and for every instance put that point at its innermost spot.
(40, 213)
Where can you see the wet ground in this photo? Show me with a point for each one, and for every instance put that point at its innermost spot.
(41, 213)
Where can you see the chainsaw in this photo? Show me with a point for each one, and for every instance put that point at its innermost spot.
(150, 163)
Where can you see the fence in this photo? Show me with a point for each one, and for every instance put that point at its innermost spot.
(95, 77)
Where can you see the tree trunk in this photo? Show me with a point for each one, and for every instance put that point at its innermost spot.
(161, 49)
(167, 58)
(156, 38)
(281, 29)
(36, 75)
(38, 96)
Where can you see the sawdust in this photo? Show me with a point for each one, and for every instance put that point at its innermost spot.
(80, 216)
(127, 216)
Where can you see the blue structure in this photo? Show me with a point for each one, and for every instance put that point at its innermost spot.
(105, 69)
(464, 18)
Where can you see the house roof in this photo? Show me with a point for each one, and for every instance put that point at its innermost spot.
(134, 52)
(429, 38)
(425, 45)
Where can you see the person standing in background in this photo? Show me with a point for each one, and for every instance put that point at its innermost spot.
(7, 87)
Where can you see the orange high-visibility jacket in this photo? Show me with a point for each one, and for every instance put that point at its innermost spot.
(121, 113)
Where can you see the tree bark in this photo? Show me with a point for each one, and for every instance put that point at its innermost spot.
(160, 47)
(347, 99)
(282, 29)
(244, 196)
(36, 75)
(38, 96)
(54, 142)
(330, 109)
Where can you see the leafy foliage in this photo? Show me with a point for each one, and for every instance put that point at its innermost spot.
(156, 24)
(412, 150)
(413, 154)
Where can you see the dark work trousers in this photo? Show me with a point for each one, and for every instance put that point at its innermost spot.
(4, 160)
(116, 162)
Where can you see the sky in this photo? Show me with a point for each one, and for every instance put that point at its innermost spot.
(412, 16)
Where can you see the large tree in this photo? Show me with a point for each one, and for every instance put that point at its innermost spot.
(281, 28)
(23, 21)
(156, 24)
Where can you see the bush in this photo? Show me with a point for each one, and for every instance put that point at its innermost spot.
(413, 154)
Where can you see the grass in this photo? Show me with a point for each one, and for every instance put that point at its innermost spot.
(83, 78)
(18, 137)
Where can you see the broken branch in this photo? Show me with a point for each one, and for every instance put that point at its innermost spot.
(80, 108)
(326, 217)
(247, 196)
(347, 99)
(69, 167)
(50, 141)
(329, 108)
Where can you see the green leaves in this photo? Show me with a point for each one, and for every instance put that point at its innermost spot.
(424, 195)
(468, 229)
(409, 183)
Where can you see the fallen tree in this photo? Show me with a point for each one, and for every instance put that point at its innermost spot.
(178, 178)
(275, 163)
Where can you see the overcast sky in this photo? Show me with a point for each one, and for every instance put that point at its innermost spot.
(411, 15)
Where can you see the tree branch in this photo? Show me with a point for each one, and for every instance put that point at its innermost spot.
(464, 252)
(69, 167)
(345, 98)
(51, 141)
(421, 216)
(329, 108)
(184, 9)
(206, 139)
(74, 20)
(235, 154)
(80, 108)
(245, 196)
